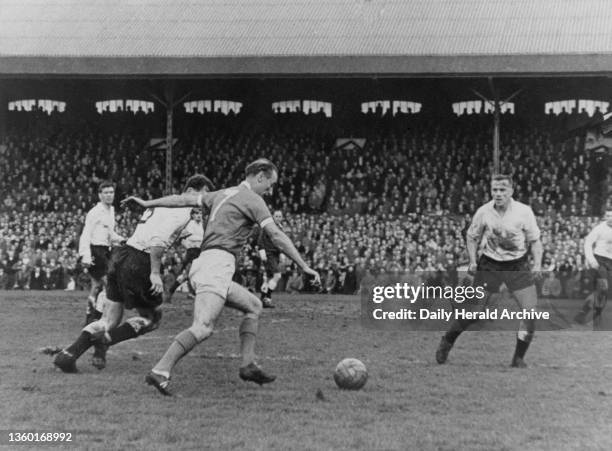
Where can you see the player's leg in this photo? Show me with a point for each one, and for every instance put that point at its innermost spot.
(587, 306)
(93, 313)
(91, 333)
(207, 307)
(243, 300)
(182, 277)
(447, 342)
(600, 299)
(527, 298)
(191, 255)
(112, 293)
(98, 359)
(263, 290)
(211, 274)
(272, 284)
(486, 276)
(97, 271)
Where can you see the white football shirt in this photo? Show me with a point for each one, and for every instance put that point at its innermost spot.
(504, 236)
(193, 235)
(601, 236)
(159, 227)
(99, 229)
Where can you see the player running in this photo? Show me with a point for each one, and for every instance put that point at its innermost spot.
(134, 280)
(598, 255)
(509, 229)
(191, 239)
(270, 257)
(94, 249)
(233, 214)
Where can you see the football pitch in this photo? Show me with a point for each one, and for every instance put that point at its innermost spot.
(475, 401)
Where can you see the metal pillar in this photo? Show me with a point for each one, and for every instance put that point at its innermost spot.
(169, 118)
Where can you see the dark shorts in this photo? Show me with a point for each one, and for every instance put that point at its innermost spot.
(191, 255)
(272, 264)
(100, 256)
(603, 272)
(128, 279)
(605, 268)
(516, 274)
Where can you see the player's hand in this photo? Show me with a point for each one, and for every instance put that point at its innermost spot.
(132, 200)
(315, 275)
(592, 263)
(157, 286)
(87, 262)
(472, 268)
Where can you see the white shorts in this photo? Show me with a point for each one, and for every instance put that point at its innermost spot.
(212, 272)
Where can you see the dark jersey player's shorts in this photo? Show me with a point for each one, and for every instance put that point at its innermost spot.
(516, 274)
(128, 279)
(100, 256)
(272, 263)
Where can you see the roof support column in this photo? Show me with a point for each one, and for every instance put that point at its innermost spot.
(3, 111)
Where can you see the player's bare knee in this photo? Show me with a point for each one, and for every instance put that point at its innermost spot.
(111, 323)
(201, 331)
(97, 328)
(255, 309)
(140, 324)
(253, 316)
(526, 335)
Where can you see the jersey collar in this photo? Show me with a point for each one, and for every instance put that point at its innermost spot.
(247, 184)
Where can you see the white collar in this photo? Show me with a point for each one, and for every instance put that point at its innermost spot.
(507, 209)
(247, 184)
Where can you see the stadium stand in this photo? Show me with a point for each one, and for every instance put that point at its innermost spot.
(400, 203)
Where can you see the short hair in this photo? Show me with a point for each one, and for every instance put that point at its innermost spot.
(197, 182)
(502, 178)
(261, 165)
(105, 184)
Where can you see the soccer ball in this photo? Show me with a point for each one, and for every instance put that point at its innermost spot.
(351, 374)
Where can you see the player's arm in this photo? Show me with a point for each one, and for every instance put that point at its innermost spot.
(85, 239)
(155, 254)
(285, 245)
(532, 235)
(473, 238)
(472, 248)
(589, 241)
(172, 201)
(536, 253)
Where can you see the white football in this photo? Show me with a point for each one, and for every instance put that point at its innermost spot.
(351, 374)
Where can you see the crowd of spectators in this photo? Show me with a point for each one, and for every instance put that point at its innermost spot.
(400, 203)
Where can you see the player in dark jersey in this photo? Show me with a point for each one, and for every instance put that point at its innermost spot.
(233, 214)
(270, 257)
(134, 280)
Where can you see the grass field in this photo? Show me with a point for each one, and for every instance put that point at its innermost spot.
(562, 401)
